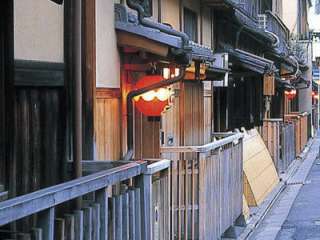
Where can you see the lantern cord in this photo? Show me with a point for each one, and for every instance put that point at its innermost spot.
(130, 107)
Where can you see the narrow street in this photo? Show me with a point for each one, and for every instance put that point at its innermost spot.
(296, 213)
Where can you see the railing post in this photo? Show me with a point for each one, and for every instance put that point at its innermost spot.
(102, 200)
(46, 223)
(144, 182)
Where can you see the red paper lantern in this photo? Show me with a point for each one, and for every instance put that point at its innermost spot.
(154, 102)
(291, 94)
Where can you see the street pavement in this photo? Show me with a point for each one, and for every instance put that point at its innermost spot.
(303, 222)
(295, 215)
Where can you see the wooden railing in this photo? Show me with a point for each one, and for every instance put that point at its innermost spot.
(249, 7)
(287, 141)
(206, 187)
(271, 137)
(301, 126)
(106, 213)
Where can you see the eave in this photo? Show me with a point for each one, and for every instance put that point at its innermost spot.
(127, 25)
(250, 61)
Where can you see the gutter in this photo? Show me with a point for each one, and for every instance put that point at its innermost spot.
(161, 27)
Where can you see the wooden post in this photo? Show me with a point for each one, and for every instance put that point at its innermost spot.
(137, 198)
(36, 234)
(59, 229)
(96, 221)
(132, 225)
(78, 225)
(69, 227)
(102, 200)
(118, 217)
(46, 223)
(87, 223)
(125, 216)
(144, 182)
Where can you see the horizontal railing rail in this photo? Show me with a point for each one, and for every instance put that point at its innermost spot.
(19, 207)
(230, 138)
(130, 210)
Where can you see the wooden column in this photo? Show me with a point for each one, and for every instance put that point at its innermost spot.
(89, 78)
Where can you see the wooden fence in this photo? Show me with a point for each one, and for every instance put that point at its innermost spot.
(126, 214)
(301, 125)
(206, 187)
(271, 137)
(287, 140)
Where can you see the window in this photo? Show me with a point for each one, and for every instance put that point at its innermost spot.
(191, 24)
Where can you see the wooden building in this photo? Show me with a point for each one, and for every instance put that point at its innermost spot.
(118, 118)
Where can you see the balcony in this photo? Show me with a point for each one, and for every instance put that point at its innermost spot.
(247, 7)
(272, 23)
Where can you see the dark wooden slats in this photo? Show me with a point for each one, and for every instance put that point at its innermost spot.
(39, 134)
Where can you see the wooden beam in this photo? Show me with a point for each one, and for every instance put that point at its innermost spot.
(131, 40)
(106, 93)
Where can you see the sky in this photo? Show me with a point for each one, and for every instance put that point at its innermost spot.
(314, 23)
(314, 20)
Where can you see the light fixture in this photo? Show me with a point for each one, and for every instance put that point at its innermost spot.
(153, 102)
(170, 72)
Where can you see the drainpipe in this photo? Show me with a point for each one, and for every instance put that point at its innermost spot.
(161, 27)
(77, 96)
(130, 108)
(238, 36)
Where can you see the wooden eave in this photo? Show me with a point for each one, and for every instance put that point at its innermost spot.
(127, 39)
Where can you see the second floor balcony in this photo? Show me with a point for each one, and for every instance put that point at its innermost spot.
(272, 24)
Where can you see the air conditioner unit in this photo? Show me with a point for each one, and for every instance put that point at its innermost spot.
(221, 63)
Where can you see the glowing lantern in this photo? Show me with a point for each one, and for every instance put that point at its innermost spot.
(291, 94)
(315, 95)
(170, 72)
(154, 102)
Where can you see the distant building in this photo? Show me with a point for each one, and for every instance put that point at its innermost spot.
(317, 7)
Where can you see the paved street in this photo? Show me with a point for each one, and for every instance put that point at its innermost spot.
(303, 221)
(296, 214)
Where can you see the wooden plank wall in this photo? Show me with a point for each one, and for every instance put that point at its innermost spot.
(147, 136)
(192, 113)
(39, 141)
(107, 124)
(170, 121)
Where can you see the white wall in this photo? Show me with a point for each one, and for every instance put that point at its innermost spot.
(38, 30)
(107, 55)
(290, 14)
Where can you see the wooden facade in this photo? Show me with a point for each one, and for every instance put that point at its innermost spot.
(75, 115)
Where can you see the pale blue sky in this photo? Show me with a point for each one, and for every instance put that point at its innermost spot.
(314, 20)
